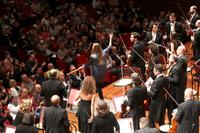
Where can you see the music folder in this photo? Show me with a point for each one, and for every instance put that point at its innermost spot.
(72, 96)
(10, 129)
(118, 101)
(126, 125)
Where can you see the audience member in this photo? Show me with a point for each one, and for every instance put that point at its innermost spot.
(55, 118)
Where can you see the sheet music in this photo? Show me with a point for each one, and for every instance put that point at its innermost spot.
(10, 130)
(126, 125)
(118, 101)
(148, 83)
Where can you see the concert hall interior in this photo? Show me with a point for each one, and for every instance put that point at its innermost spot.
(100, 66)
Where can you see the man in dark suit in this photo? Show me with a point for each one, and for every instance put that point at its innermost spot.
(136, 97)
(175, 76)
(173, 26)
(53, 87)
(194, 17)
(137, 53)
(188, 114)
(182, 61)
(196, 42)
(116, 57)
(153, 36)
(158, 99)
(144, 127)
(55, 118)
(176, 79)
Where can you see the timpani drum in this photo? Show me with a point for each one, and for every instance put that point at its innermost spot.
(165, 128)
(122, 82)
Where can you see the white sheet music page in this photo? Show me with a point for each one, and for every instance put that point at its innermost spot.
(126, 125)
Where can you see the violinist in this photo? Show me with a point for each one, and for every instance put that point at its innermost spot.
(155, 59)
(157, 95)
(174, 43)
(137, 53)
(173, 26)
(194, 16)
(136, 97)
(188, 114)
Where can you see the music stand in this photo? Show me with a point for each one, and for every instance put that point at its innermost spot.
(117, 103)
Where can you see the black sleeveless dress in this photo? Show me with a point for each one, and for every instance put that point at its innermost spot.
(83, 114)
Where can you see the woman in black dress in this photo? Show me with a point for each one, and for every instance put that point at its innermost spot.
(85, 111)
(105, 120)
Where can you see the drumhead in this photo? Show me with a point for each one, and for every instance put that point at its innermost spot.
(123, 82)
(165, 128)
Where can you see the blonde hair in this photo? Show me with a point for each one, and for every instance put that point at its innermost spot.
(25, 106)
(98, 50)
(88, 85)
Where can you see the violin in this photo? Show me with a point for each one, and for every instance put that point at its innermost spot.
(124, 112)
(173, 129)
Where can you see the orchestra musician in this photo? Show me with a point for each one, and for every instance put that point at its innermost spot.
(182, 60)
(174, 43)
(144, 127)
(136, 97)
(154, 35)
(157, 95)
(176, 84)
(155, 59)
(173, 26)
(116, 57)
(137, 53)
(196, 42)
(188, 114)
(194, 16)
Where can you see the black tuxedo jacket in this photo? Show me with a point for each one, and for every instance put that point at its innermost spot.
(177, 82)
(136, 59)
(55, 120)
(193, 21)
(149, 37)
(180, 31)
(157, 95)
(188, 117)
(196, 45)
(53, 87)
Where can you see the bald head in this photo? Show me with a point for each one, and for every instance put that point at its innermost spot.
(180, 50)
(55, 100)
(197, 23)
(188, 94)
